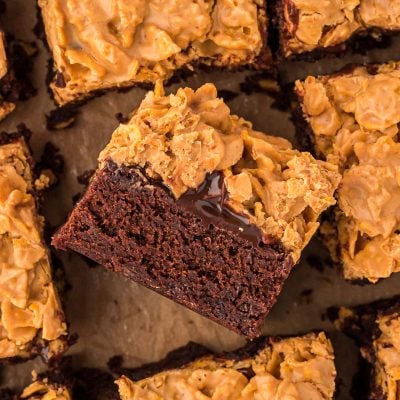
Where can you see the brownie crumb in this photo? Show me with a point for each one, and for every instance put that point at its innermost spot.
(227, 95)
(62, 118)
(121, 118)
(84, 178)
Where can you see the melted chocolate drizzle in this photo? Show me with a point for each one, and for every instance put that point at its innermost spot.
(208, 201)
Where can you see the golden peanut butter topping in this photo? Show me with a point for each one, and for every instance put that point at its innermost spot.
(42, 389)
(181, 138)
(101, 44)
(312, 24)
(299, 368)
(30, 310)
(354, 118)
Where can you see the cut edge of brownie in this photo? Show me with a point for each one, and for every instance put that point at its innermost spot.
(361, 326)
(221, 276)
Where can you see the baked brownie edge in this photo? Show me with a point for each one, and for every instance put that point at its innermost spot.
(138, 229)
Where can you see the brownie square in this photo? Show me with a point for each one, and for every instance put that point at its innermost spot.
(300, 367)
(307, 26)
(190, 201)
(32, 320)
(97, 45)
(352, 120)
(375, 328)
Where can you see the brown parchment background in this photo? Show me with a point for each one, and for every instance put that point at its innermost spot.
(113, 316)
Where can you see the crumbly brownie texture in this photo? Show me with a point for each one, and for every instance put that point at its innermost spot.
(32, 320)
(354, 117)
(98, 46)
(309, 25)
(297, 368)
(376, 329)
(190, 201)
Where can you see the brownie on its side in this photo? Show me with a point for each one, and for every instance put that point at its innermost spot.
(32, 320)
(97, 46)
(272, 368)
(353, 121)
(311, 25)
(190, 201)
(375, 328)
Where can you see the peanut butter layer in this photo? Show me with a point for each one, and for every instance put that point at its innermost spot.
(103, 44)
(313, 24)
(31, 314)
(42, 389)
(354, 118)
(183, 137)
(297, 368)
(384, 352)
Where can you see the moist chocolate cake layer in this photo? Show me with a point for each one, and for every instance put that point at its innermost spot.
(137, 228)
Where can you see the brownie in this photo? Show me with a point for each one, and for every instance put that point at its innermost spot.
(66, 383)
(310, 27)
(193, 203)
(32, 320)
(15, 68)
(352, 120)
(299, 367)
(97, 47)
(375, 328)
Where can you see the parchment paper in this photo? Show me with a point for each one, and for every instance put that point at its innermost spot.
(113, 316)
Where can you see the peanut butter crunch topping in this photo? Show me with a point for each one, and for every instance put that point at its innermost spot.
(101, 44)
(312, 24)
(30, 310)
(300, 368)
(354, 118)
(181, 138)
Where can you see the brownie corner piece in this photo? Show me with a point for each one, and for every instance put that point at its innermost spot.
(296, 367)
(375, 329)
(183, 202)
(96, 48)
(352, 120)
(309, 29)
(32, 322)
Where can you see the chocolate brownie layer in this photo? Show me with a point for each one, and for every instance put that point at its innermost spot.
(327, 26)
(212, 270)
(375, 328)
(97, 46)
(273, 368)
